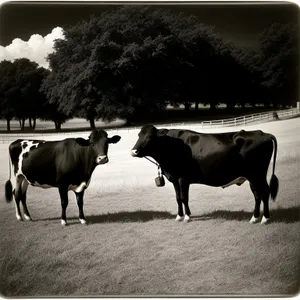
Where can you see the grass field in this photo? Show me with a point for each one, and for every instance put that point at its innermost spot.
(133, 246)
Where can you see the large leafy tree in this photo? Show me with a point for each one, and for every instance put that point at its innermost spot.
(128, 63)
(279, 44)
(20, 95)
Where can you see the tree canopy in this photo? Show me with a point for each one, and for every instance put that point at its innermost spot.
(20, 94)
(129, 62)
(279, 44)
(133, 61)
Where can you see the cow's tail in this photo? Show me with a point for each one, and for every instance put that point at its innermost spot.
(274, 183)
(8, 185)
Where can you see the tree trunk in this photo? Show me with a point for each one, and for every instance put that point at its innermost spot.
(92, 123)
(22, 123)
(34, 123)
(212, 107)
(186, 106)
(230, 106)
(57, 125)
(30, 122)
(196, 105)
(8, 124)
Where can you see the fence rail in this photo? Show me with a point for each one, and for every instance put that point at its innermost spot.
(238, 121)
(250, 119)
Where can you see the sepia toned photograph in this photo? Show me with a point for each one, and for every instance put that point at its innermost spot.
(149, 149)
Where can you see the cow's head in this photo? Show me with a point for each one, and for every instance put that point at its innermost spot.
(98, 141)
(147, 142)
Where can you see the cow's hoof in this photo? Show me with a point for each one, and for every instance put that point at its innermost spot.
(264, 220)
(253, 220)
(19, 218)
(64, 223)
(28, 218)
(83, 221)
(179, 218)
(187, 219)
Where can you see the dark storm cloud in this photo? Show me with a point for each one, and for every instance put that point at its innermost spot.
(239, 22)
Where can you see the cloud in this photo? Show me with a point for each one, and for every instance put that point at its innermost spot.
(36, 48)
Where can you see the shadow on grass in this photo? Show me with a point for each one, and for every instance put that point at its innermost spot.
(132, 216)
(279, 215)
(121, 217)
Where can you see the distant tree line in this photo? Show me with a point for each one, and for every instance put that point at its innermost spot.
(134, 61)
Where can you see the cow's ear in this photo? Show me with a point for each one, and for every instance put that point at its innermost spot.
(114, 139)
(82, 142)
(162, 132)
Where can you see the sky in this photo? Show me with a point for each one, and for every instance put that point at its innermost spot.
(28, 29)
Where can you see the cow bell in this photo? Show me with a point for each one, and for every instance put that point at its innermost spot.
(160, 181)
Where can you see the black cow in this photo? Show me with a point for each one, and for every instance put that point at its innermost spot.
(219, 160)
(67, 165)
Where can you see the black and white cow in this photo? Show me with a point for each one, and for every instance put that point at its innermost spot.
(219, 160)
(66, 165)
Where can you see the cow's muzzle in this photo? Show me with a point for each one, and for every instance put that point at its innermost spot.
(101, 159)
(134, 152)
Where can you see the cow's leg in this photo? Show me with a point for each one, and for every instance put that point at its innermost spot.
(18, 195)
(265, 194)
(256, 212)
(184, 195)
(63, 192)
(24, 187)
(179, 216)
(79, 198)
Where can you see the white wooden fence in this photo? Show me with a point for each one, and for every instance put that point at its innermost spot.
(250, 119)
(238, 121)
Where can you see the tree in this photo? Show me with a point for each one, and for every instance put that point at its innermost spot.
(8, 93)
(279, 45)
(20, 90)
(129, 63)
(20, 94)
(250, 61)
(50, 111)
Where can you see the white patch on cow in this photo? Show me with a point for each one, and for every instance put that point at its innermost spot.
(30, 144)
(253, 220)
(63, 222)
(179, 218)
(43, 186)
(19, 218)
(101, 159)
(187, 219)
(82, 221)
(27, 217)
(239, 180)
(133, 152)
(264, 220)
(79, 188)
